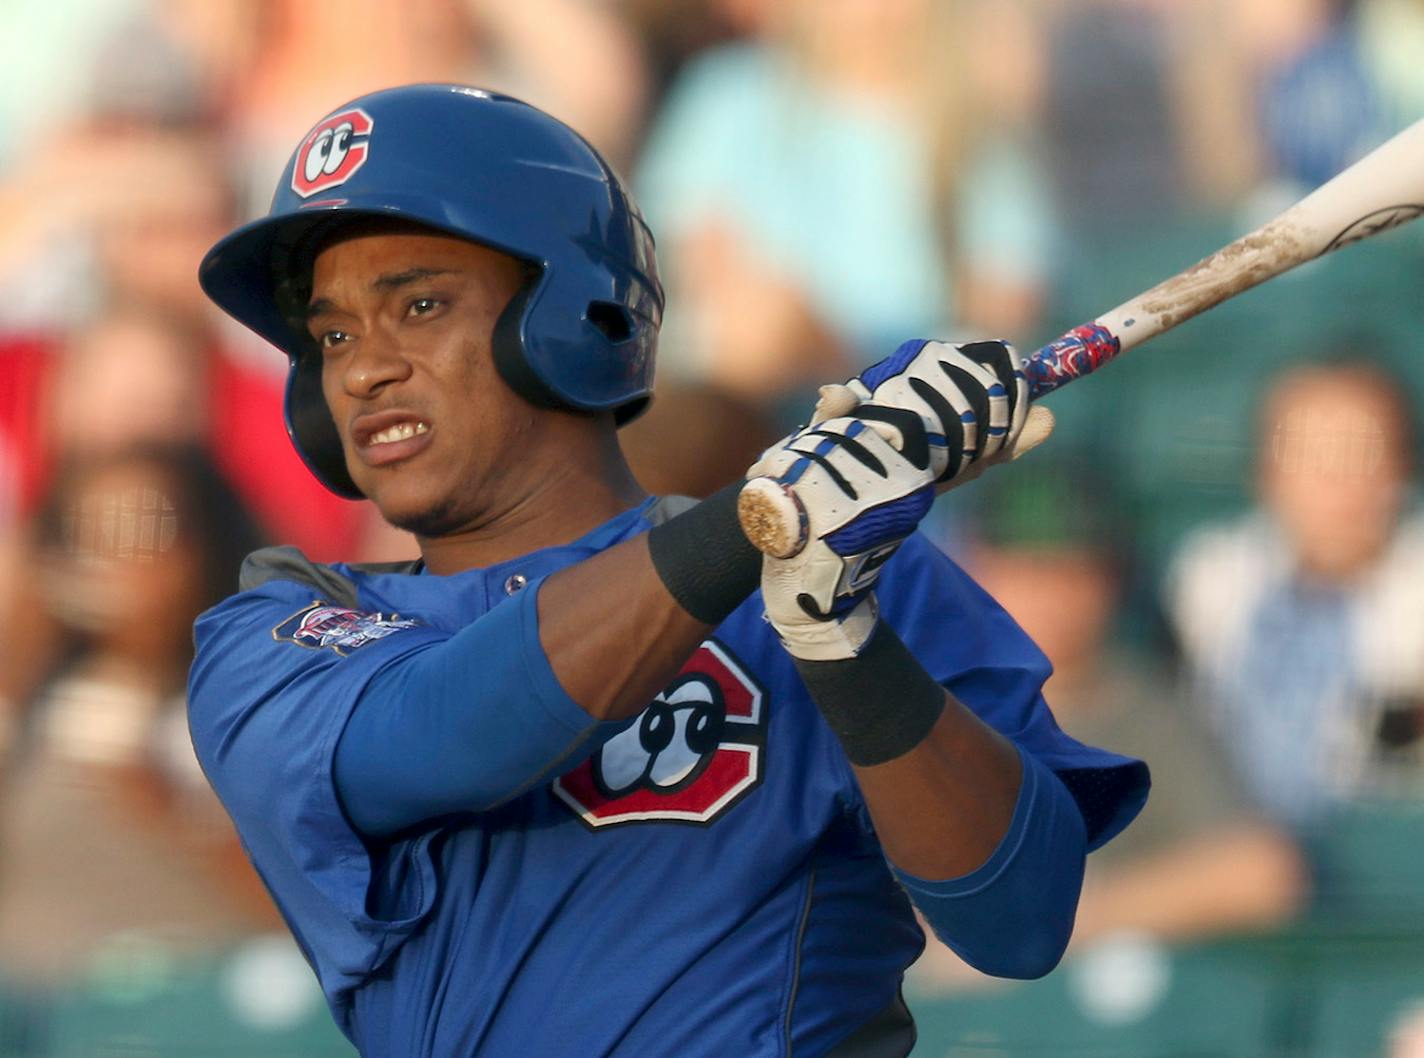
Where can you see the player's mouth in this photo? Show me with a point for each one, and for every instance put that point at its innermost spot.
(389, 437)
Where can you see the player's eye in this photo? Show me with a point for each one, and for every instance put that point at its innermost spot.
(423, 306)
(331, 339)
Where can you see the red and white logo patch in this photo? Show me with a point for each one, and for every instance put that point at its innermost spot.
(332, 152)
(693, 753)
(339, 628)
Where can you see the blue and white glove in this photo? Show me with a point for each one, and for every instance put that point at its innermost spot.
(830, 504)
(971, 397)
(855, 488)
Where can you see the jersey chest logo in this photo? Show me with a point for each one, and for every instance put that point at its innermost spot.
(696, 751)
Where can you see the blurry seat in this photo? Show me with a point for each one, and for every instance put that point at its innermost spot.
(1356, 1006)
(1125, 998)
(16, 1021)
(1369, 860)
(143, 1002)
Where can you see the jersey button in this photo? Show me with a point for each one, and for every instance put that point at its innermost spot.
(515, 583)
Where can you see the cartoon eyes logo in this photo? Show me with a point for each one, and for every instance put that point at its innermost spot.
(672, 742)
(332, 152)
(691, 755)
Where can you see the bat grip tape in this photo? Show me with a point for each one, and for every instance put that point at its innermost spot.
(703, 558)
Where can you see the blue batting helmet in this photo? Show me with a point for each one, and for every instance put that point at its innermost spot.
(582, 332)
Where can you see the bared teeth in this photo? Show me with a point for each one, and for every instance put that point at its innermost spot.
(399, 432)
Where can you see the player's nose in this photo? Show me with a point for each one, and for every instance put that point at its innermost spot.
(377, 362)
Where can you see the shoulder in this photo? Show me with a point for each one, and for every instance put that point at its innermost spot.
(272, 583)
(339, 583)
(295, 637)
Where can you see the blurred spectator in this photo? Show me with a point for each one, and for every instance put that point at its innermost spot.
(42, 80)
(693, 440)
(121, 201)
(1319, 102)
(131, 377)
(1303, 622)
(575, 58)
(1147, 110)
(102, 321)
(106, 824)
(1392, 39)
(841, 182)
(1180, 111)
(134, 375)
(1049, 543)
(674, 34)
(128, 377)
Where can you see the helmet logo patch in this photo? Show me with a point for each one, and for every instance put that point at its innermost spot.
(332, 152)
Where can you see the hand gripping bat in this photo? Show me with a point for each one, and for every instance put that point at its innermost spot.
(1382, 190)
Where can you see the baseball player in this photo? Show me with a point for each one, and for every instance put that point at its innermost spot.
(570, 784)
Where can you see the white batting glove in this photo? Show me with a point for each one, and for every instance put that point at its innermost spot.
(858, 487)
(971, 397)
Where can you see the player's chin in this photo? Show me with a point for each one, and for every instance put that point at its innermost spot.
(410, 501)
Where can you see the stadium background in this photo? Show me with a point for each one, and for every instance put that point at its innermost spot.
(825, 178)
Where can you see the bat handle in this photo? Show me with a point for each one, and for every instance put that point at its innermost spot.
(1079, 352)
(773, 518)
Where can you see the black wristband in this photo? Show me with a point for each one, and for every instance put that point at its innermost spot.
(881, 704)
(704, 559)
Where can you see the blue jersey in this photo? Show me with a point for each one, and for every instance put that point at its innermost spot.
(707, 882)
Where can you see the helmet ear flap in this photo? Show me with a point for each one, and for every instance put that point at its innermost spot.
(613, 323)
(507, 343)
(312, 429)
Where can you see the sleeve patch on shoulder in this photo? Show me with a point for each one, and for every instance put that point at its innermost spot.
(320, 625)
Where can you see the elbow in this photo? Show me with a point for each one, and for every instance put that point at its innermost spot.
(1027, 953)
(1038, 957)
(1014, 917)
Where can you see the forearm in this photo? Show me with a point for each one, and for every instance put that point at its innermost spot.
(1013, 915)
(988, 842)
(940, 784)
(619, 626)
(538, 683)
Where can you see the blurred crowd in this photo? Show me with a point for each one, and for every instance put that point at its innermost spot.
(1219, 551)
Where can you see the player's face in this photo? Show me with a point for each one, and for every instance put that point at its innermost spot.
(404, 320)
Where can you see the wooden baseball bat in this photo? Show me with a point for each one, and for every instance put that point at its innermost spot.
(1382, 190)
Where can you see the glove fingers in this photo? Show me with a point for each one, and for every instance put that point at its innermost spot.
(839, 469)
(989, 396)
(1004, 361)
(947, 447)
(836, 401)
(978, 422)
(857, 461)
(1038, 425)
(902, 428)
